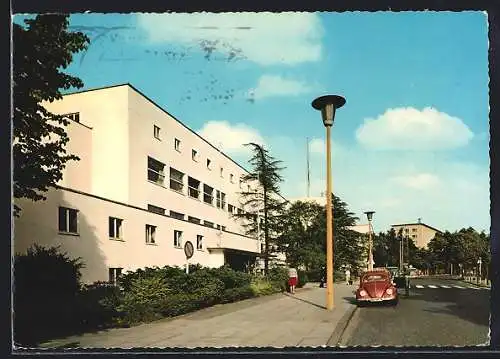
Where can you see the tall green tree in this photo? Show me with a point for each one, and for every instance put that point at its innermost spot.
(303, 236)
(298, 239)
(266, 201)
(43, 47)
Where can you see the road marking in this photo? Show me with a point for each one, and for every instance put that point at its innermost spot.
(459, 287)
(419, 286)
(432, 286)
(445, 286)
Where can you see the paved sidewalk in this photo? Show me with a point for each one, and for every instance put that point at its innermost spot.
(273, 321)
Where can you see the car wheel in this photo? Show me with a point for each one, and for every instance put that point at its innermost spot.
(361, 304)
(394, 302)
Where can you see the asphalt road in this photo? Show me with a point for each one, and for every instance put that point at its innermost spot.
(437, 313)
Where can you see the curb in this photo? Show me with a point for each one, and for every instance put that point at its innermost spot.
(341, 326)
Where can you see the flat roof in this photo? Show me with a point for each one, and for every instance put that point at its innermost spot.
(165, 111)
(416, 224)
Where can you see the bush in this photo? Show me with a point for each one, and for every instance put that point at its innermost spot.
(262, 286)
(98, 305)
(46, 287)
(145, 298)
(236, 294)
(278, 276)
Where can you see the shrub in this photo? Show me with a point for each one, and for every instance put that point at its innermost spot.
(46, 286)
(98, 305)
(278, 276)
(231, 278)
(263, 287)
(144, 300)
(236, 294)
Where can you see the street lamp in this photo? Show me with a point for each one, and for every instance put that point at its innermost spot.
(328, 105)
(479, 262)
(369, 215)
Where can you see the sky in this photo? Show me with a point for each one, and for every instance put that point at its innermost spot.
(411, 142)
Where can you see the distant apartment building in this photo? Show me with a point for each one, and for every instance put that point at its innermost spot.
(144, 185)
(419, 232)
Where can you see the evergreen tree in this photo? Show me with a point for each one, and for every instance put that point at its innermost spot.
(264, 200)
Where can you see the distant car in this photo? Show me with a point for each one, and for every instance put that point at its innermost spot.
(376, 287)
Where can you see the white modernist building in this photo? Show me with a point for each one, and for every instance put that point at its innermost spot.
(144, 185)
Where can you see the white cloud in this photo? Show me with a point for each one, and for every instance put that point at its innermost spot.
(273, 86)
(318, 146)
(228, 137)
(421, 181)
(409, 128)
(264, 38)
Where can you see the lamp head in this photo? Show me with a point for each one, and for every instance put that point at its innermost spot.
(327, 105)
(369, 215)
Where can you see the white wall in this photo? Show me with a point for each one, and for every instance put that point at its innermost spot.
(105, 111)
(39, 224)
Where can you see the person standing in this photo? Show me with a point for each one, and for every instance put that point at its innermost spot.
(348, 276)
(292, 279)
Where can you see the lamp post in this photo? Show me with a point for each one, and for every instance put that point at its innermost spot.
(328, 105)
(369, 215)
(479, 262)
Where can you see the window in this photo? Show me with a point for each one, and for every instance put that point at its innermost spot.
(413, 236)
(230, 208)
(208, 194)
(413, 229)
(156, 132)
(194, 155)
(150, 234)
(209, 164)
(177, 239)
(193, 188)
(223, 228)
(240, 211)
(115, 228)
(194, 220)
(223, 200)
(199, 242)
(68, 220)
(177, 215)
(114, 274)
(231, 178)
(208, 224)
(155, 209)
(72, 116)
(177, 144)
(222, 172)
(407, 230)
(262, 247)
(241, 184)
(217, 226)
(155, 171)
(218, 201)
(176, 180)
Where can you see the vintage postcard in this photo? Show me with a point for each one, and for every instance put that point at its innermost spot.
(251, 179)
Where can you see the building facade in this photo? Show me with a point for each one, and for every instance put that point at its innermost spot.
(144, 185)
(419, 232)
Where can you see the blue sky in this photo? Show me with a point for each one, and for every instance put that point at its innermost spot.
(411, 141)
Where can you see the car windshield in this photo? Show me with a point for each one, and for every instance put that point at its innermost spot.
(374, 277)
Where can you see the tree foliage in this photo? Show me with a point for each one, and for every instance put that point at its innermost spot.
(444, 253)
(303, 236)
(42, 49)
(266, 200)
